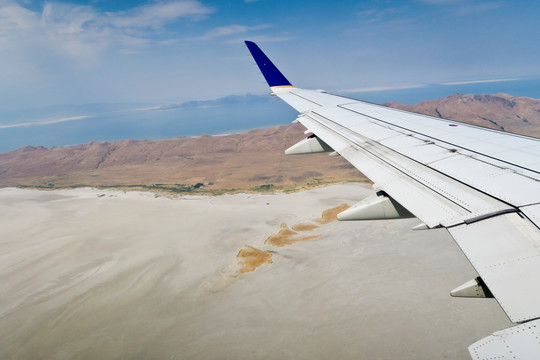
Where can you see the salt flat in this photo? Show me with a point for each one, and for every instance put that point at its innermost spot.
(93, 274)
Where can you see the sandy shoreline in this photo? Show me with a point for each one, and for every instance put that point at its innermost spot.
(110, 274)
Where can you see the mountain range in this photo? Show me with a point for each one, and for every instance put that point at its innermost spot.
(252, 160)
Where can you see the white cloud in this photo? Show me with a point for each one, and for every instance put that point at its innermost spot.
(383, 19)
(156, 15)
(44, 122)
(66, 19)
(261, 39)
(224, 31)
(83, 32)
(417, 86)
(439, 2)
(15, 17)
(478, 81)
(382, 88)
(371, 16)
(468, 9)
(464, 7)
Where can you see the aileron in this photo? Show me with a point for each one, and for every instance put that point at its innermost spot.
(504, 251)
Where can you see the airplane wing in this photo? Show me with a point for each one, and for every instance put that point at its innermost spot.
(482, 185)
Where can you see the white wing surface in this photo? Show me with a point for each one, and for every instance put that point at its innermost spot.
(480, 184)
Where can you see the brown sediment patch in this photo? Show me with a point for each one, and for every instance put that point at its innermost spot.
(286, 236)
(305, 227)
(330, 215)
(251, 258)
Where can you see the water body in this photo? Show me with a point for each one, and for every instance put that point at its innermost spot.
(70, 125)
(151, 124)
(524, 87)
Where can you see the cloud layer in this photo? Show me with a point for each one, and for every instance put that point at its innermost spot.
(83, 31)
(160, 51)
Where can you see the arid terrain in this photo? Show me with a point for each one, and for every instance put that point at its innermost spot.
(108, 274)
(519, 115)
(252, 160)
(104, 273)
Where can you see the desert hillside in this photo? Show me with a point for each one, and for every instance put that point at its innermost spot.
(251, 160)
(520, 115)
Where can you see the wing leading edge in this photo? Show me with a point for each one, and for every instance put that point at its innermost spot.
(482, 185)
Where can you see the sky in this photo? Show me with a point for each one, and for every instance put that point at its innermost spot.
(170, 51)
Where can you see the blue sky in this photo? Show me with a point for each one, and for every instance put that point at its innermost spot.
(99, 51)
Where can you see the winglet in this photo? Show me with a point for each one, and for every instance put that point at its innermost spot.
(273, 76)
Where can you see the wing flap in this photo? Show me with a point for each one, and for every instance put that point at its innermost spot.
(505, 253)
(496, 179)
(517, 342)
(431, 196)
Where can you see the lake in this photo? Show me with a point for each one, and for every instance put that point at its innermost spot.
(111, 122)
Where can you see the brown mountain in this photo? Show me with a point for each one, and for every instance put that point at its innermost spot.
(253, 159)
(520, 115)
(243, 160)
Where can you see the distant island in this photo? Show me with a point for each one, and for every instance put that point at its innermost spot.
(249, 161)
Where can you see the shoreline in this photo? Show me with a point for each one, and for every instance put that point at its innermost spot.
(181, 189)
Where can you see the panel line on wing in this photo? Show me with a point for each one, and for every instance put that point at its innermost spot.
(411, 174)
(429, 206)
(444, 141)
(489, 186)
(303, 98)
(405, 112)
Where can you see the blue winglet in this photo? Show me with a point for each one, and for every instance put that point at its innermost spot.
(273, 76)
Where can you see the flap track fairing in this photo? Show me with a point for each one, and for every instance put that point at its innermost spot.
(310, 145)
(377, 207)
